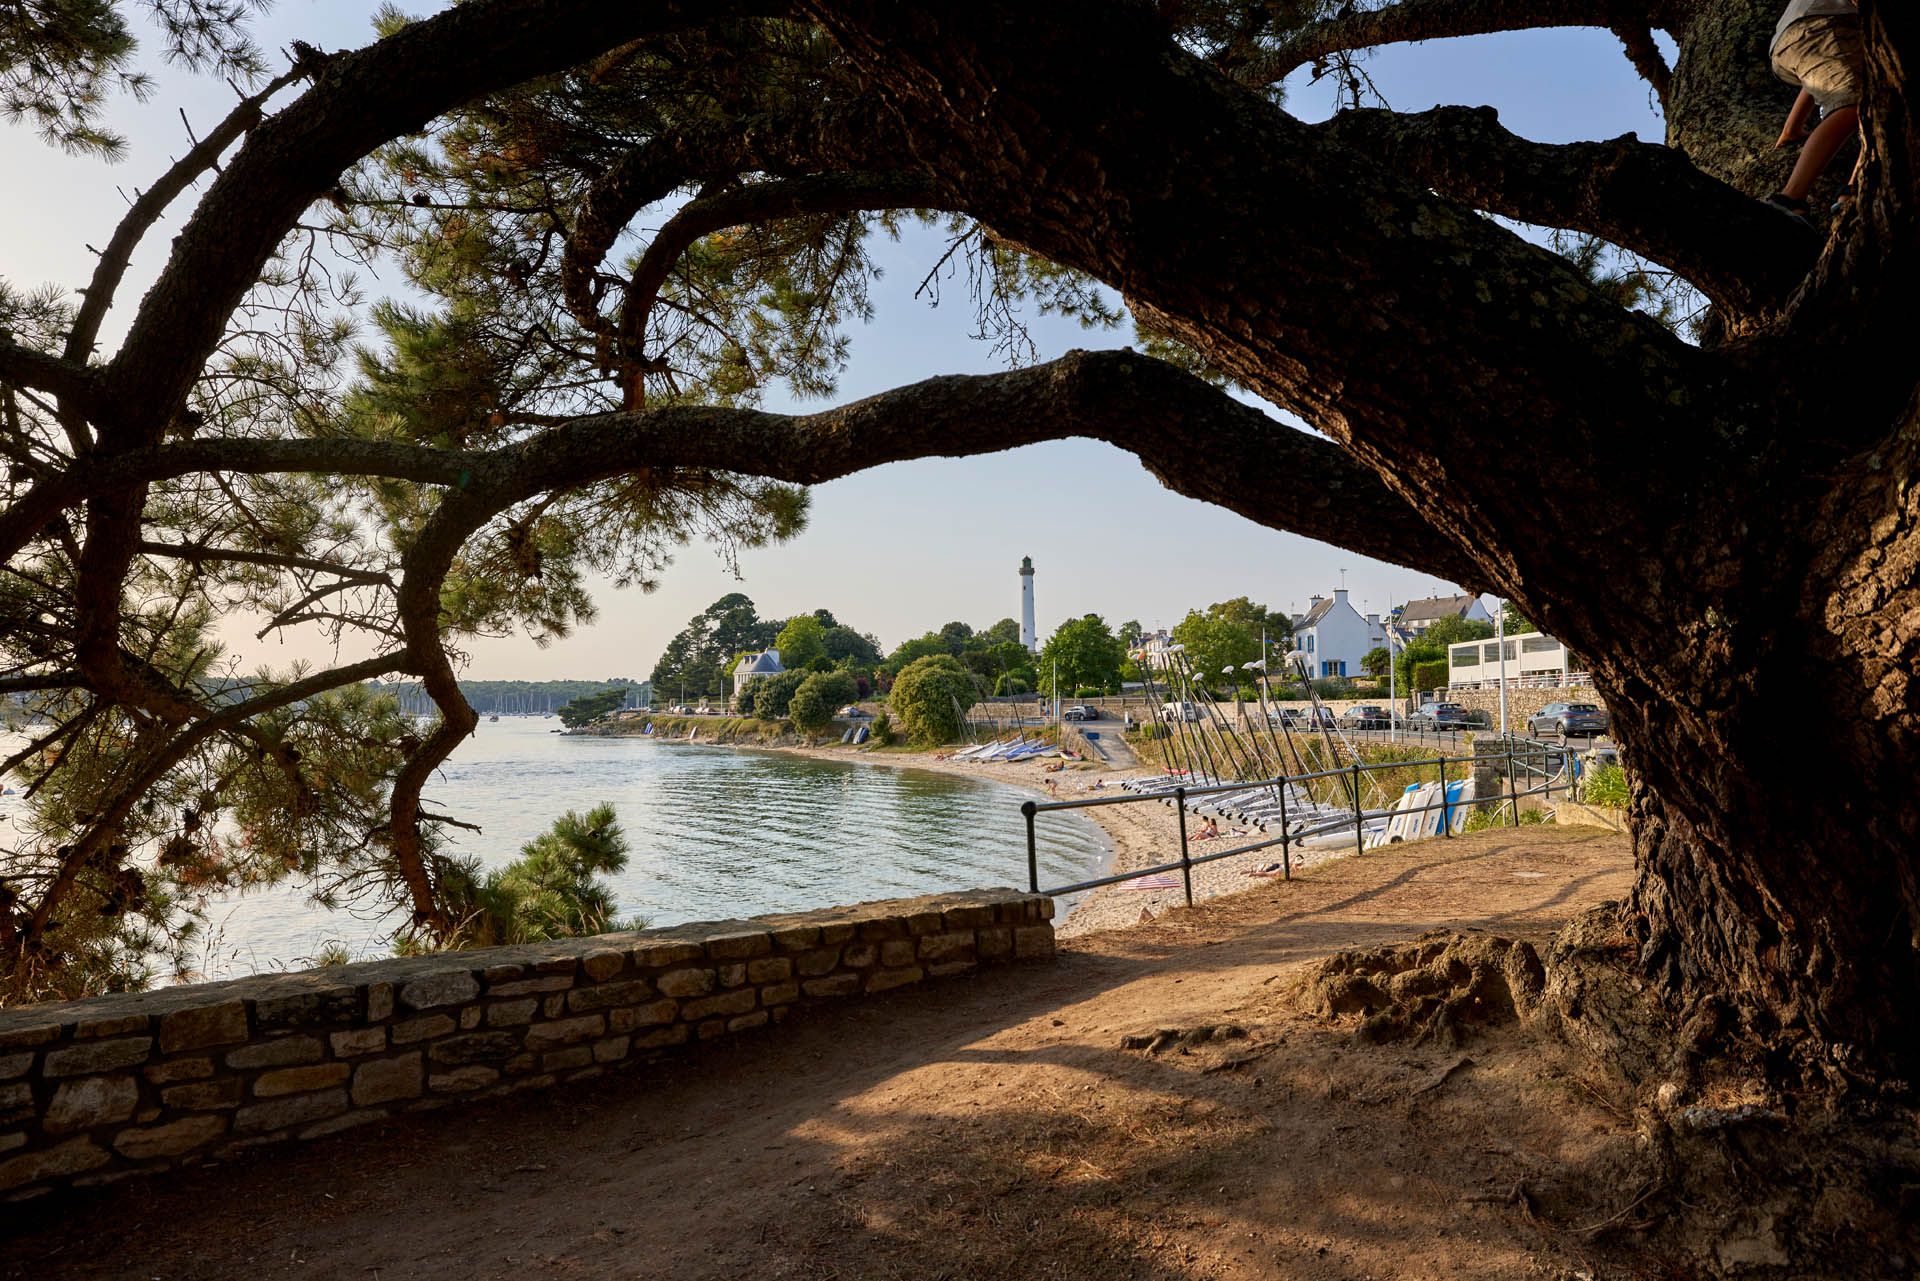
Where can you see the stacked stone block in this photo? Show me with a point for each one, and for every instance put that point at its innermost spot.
(112, 1087)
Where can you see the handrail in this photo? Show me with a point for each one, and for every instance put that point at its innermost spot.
(1523, 751)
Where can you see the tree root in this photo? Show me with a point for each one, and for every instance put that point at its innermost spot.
(1186, 1038)
(1436, 991)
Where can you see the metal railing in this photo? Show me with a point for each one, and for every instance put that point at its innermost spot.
(1537, 680)
(1525, 755)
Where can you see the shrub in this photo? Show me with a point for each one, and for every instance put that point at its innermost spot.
(1431, 675)
(1606, 786)
(773, 693)
(744, 700)
(552, 890)
(930, 695)
(882, 730)
(807, 710)
(836, 689)
(1011, 684)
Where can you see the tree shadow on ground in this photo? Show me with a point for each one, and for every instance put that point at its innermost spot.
(992, 1127)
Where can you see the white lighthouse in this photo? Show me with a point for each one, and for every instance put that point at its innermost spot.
(1027, 637)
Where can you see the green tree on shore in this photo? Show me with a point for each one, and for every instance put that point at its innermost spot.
(696, 659)
(1215, 641)
(588, 708)
(808, 710)
(930, 696)
(801, 641)
(1082, 653)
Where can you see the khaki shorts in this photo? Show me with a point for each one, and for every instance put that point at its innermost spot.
(1824, 56)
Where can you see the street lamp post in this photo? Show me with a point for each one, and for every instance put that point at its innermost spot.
(1500, 634)
(1393, 692)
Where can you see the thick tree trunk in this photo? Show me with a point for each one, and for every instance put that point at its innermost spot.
(1776, 816)
(1746, 591)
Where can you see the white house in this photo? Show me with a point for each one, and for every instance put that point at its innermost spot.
(1418, 615)
(752, 667)
(1335, 636)
(1156, 650)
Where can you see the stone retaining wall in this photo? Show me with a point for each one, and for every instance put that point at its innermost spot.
(1522, 701)
(117, 1086)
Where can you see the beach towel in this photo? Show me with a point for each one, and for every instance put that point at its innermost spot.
(1162, 881)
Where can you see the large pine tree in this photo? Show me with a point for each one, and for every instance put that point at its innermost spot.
(1729, 528)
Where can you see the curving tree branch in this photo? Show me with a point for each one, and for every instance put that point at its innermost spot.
(195, 553)
(755, 202)
(121, 802)
(73, 382)
(1646, 198)
(153, 202)
(1645, 55)
(827, 136)
(361, 100)
(1413, 20)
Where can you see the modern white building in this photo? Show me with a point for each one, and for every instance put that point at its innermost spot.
(752, 667)
(1336, 636)
(1417, 615)
(1029, 639)
(1532, 658)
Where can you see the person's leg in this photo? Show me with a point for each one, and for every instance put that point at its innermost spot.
(1832, 131)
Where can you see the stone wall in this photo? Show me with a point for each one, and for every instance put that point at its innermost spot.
(117, 1086)
(1522, 702)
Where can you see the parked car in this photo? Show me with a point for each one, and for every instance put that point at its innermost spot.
(851, 712)
(1080, 713)
(1291, 717)
(1179, 712)
(1568, 720)
(1440, 716)
(1366, 716)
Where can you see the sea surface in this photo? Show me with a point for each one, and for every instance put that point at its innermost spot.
(712, 832)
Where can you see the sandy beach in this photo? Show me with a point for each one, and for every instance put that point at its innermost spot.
(1143, 834)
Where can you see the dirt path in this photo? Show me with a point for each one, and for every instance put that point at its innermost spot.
(985, 1128)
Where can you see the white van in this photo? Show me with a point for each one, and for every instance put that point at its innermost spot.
(1179, 712)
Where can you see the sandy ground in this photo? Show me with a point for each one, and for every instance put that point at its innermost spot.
(1144, 834)
(988, 1127)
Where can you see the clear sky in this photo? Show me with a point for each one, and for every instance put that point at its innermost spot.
(901, 549)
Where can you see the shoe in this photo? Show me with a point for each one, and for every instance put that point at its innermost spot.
(1843, 199)
(1792, 208)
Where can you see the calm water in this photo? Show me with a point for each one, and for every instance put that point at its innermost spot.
(712, 832)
